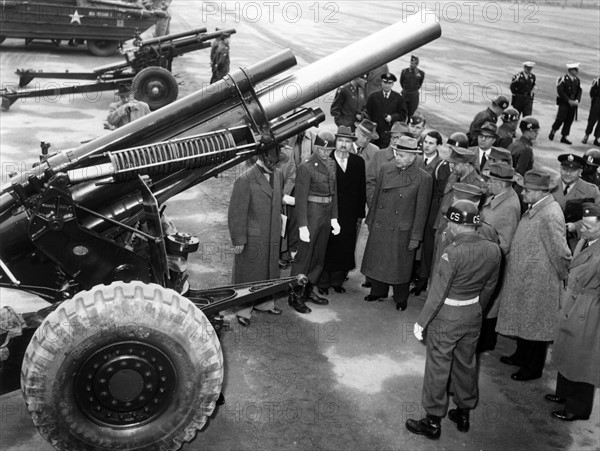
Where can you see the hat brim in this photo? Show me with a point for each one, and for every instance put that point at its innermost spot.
(402, 149)
(344, 135)
(486, 173)
(551, 186)
(372, 135)
(478, 132)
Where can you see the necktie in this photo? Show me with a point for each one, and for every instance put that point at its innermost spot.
(386, 95)
(566, 190)
(359, 150)
(483, 160)
(585, 245)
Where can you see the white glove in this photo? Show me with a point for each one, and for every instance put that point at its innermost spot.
(418, 332)
(289, 200)
(335, 225)
(304, 234)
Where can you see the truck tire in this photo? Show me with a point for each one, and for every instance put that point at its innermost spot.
(126, 366)
(2, 38)
(156, 86)
(102, 47)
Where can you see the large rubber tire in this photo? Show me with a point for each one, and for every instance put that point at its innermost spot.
(2, 38)
(102, 47)
(126, 366)
(156, 86)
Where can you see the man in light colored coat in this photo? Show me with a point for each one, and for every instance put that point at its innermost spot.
(537, 266)
(501, 210)
(576, 351)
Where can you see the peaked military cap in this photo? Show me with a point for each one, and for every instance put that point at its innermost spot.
(389, 77)
(591, 210)
(571, 160)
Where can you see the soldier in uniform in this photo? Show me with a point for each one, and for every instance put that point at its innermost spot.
(396, 222)
(316, 213)
(592, 162)
(507, 131)
(161, 9)
(411, 80)
(416, 126)
(374, 80)
(576, 352)
(461, 287)
(499, 104)
(349, 103)
(127, 109)
(568, 88)
(365, 132)
(594, 116)
(522, 149)
(384, 108)
(219, 60)
(521, 87)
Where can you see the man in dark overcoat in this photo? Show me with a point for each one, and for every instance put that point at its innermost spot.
(396, 222)
(576, 353)
(568, 90)
(521, 87)
(351, 193)
(254, 221)
(385, 107)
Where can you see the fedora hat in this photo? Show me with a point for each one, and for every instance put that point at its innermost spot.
(345, 132)
(407, 144)
(368, 127)
(398, 128)
(460, 155)
(501, 171)
(487, 128)
(464, 191)
(537, 179)
(500, 154)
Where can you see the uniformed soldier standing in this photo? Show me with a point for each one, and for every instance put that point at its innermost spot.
(460, 289)
(219, 60)
(506, 132)
(568, 88)
(594, 116)
(521, 87)
(385, 107)
(411, 80)
(521, 150)
(349, 103)
(316, 215)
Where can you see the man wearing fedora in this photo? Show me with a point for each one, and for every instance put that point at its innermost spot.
(384, 108)
(486, 136)
(351, 194)
(127, 109)
(576, 352)
(490, 114)
(349, 103)
(522, 149)
(254, 221)
(568, 89)
(365, 132)
(396, 221)
(316, 213)
(537, 265)
(521, 87)
(451, 316)
(507, 131)
(501, 210)
(411, 80)
(571, 192)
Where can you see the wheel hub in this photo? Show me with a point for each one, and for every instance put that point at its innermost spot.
(125, 383)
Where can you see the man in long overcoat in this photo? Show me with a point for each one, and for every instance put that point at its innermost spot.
(254, 221)
(396, 222)
(576, 351)
(537, 265)
(351, 193)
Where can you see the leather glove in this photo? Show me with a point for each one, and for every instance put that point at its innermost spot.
(304, 234)
(289, 200)
(413, 245)
(335, 226)
(418, 332)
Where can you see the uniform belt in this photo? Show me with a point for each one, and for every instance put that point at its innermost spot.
(461, 303)
(320, 199)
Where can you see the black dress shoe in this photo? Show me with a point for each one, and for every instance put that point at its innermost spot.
(551, 135)
(401, 307)
(518, 376)
(553, 398)
(565, 415)
(366, 284)
(461, 418)
(564, 140)
(372, 297)
(324, 291)
(509, 360)
(339, 289)
(314, 298)
(275, 311)
(243, 321)
(295, 300)
(429, 427)
(596, 142)
(420, 286)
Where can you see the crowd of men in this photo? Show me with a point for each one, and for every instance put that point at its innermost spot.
(491, 236)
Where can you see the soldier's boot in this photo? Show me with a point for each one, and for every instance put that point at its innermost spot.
(311, 296)
(551, 135)
(564, 140)
(429, 426)
(296, 301)
(461, 418)
(596, 142)
(585, 138)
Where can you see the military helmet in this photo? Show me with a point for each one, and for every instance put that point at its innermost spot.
(458, 139)
(592, 157)
(325, 139)
(463, 212)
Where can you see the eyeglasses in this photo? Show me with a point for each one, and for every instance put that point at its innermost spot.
(486, 137)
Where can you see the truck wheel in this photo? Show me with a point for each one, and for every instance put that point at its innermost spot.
(102, 47)
(2, 38)
(126, 366)
(156, 86)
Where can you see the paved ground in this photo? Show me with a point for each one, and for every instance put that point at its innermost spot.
(348, 375)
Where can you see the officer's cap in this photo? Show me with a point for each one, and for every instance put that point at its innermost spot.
(510, 114)
(528, 64)
(571, 160)
(501, 101)
(591, 210)
(529, 123)
(416, 119)
(463, 212)
(325, 139)
(414, 58)
(573, 66)
(389, 77)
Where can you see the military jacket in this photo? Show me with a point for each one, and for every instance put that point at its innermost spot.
(315, 177)
(348, 102)
(522, 84)
(411, 81)
(567, 89)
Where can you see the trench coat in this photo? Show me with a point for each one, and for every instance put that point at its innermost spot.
(254, 220)
(537, 265)
(397, 215)
(576, 352)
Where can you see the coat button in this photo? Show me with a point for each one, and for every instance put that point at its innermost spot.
(399, 195)
(385, 190)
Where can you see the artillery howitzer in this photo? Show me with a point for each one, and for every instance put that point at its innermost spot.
(147, 67)
(125, 357)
